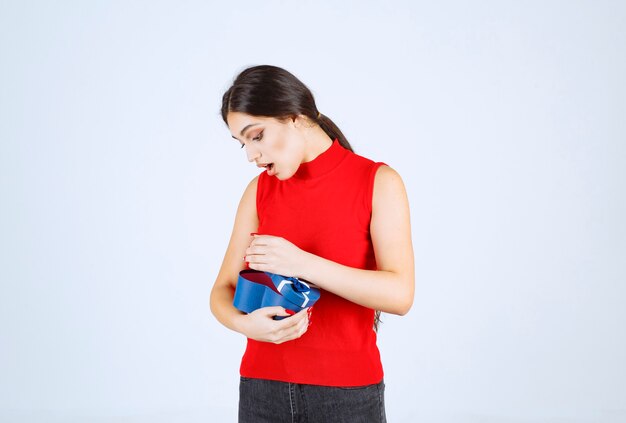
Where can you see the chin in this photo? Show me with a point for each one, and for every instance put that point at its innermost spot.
(284, 175)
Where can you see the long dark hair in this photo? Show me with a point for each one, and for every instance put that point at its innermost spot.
(271, 91)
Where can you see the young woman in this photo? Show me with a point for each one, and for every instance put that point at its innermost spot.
(321, 213)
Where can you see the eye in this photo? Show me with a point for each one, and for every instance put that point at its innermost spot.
(259, 137)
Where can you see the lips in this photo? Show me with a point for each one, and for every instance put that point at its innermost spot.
(269, 167)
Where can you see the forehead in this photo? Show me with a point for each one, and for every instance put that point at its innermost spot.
(239, 122)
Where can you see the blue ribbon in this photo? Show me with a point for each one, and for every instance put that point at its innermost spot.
(256, 289)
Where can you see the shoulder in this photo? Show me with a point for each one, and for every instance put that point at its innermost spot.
(388, 185)
(385, 174)
(250, 193)
(254, 183)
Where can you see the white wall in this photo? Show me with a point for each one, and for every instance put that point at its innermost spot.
(119, 183)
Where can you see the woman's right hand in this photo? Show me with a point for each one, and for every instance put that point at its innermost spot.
(260, 325)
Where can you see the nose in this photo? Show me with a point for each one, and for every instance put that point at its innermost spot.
(252, 152)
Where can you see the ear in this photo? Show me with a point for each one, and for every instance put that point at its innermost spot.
(299, 120)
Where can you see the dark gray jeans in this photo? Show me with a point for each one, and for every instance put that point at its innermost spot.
(282, 402)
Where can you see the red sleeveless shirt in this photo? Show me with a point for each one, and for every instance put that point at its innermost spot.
(325, 209)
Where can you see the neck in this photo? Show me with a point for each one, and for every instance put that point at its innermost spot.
(317, 141)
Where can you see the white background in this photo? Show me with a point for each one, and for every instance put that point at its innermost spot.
(119, 184)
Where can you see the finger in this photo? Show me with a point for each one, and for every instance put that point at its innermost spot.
(299, 319)
(291, 333)
(304, 311)
(303, 323)
(260, 239)
(255, 259)
(296, 331)
(287, 329)
(256, 250)
(305, 327)
(290, 323)
(302, 326)
(274, 311)
(300, 315)
(262, 267)
(265, 239)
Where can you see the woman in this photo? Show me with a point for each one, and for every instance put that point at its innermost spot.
(321, 213)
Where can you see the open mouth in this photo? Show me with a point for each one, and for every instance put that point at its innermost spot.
(269, 167)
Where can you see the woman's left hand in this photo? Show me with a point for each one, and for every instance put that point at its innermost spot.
(274, 254)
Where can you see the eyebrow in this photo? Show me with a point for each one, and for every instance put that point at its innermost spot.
(245, 129)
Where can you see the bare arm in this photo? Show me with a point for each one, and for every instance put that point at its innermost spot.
(390, 288)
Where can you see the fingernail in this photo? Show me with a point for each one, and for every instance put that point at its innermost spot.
(290, 312)
(253, 233)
